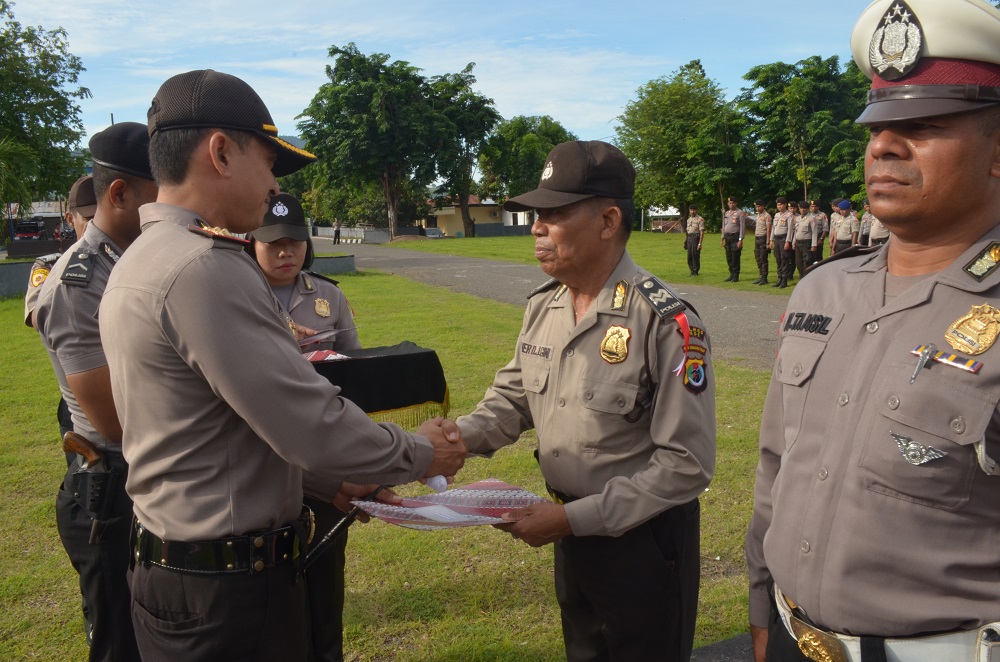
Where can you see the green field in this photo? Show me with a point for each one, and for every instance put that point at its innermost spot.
(468, 594)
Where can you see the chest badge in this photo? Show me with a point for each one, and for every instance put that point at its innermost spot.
(914, 453)
(322, 307)
(976, 332)
(614, 347)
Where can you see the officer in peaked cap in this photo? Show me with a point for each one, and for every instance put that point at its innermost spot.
(224, 423)
(614, 373)
(875, 517)
(95, 522)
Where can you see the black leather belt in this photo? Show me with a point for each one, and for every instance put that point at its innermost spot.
(559, 497)
(249, 554)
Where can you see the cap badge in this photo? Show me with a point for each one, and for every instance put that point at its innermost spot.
(914, 453)
(614, 347)
(279, 209)
(548, 171)
(895, 46)
(976, 332)
(322, 307)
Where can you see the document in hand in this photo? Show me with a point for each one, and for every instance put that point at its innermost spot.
(471, 505)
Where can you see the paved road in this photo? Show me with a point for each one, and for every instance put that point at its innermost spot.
(743, 325)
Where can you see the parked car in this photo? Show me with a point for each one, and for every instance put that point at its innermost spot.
(434, 233)
(32, 229)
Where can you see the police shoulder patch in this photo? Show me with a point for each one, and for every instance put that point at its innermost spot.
(543, 287)
(80, 269)
(663, 300)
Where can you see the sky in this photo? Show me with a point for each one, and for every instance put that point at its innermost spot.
(578, 61)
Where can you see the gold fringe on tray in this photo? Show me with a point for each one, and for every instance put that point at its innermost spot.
(412, 416)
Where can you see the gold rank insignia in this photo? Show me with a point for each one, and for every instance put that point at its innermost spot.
(614, 347)
(38, 276)
(985, 263)
(976, 332)
(621, 294)
(322, 307)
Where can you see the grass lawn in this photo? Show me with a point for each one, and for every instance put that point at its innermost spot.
(469, 594)
(661, 254)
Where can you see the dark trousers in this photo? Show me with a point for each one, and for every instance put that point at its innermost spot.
(733, 252)
(863, 240)
(779, 255)
(694, 253)
(210, 617)
(760, 251)
(803, 255)
(817, 254)
(325, 588)
(879, 242)
(336, 236)
(633, 597)
(841, 245)
(102, 567)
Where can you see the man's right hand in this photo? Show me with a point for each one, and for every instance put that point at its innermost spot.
(449, 448)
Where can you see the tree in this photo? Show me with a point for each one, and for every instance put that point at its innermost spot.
(373, 122)
(17, 166)
(682, 137)
(514, 155)
(470, 118)
(800, 122)
(38, 107)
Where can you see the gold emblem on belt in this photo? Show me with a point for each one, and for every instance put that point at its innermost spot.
(976, 332)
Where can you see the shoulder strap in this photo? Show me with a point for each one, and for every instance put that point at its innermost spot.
(80, 269)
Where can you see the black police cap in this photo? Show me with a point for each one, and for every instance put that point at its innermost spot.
(284, 219)
(123, 147)
(210, 99)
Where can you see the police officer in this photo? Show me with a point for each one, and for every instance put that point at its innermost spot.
(803, 237)
(282, 248)
(784, 259)
(821, 230)
(875, 514)
(626, 443)
(224, 421)
(733, 228)
(844, 228)
(762, 240)
(695, 235)
(94, 521)
(866, 223)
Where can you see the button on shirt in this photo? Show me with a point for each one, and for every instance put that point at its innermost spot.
(223, 419)
(899, 543)
(605, 434)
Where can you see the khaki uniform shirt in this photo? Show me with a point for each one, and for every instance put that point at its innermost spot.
(66, 318)
(317, 303)
(695, 224)
(782, 222)
(762, 223)
(843, 227)
(878, 230)
(39, 272)
(605, 434)
(866, 222)
(223, 419)
(865, 541)
(804, 229)
(733, 222)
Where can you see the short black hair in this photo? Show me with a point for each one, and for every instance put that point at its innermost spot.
(105, 177)
(170, 151)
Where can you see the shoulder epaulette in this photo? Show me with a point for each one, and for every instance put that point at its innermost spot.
(322, 277)
(80, 269)
(47, 260)
(853, 251)
(223, 237)
(543, 287)
(663, 300)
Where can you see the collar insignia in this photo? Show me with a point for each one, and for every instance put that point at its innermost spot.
(217, 233)
(322, 307)
(976, 332)
(614, 347)
(895, 47)
(621, 293)
(985, 263)
(914, 453)
(110, 251)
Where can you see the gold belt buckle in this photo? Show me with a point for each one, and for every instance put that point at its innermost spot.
(817, 645)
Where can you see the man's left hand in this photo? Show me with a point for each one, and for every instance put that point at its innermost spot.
(538, 524)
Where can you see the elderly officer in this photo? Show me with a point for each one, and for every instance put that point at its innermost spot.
(695, 235)
(94, 522)
(613, 372)
(875, 515)
(224, 421)
(733, 229)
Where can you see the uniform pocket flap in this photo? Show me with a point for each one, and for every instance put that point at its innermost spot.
(608, 397)
(535, 374)
(797, 359)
